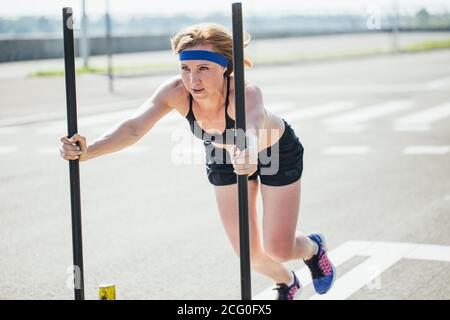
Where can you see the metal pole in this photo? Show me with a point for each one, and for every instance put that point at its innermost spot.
(109, 48)
(74, 169)
(239, 87)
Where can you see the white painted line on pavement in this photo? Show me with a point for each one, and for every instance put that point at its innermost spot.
(165, 124)
(319, 89)
(439, 83)
(128, 150)
(346, 128)
(48, 151)
(8, 149)
(417, 150)
(346, 150)
(425, 117)
(339, 256)
(113, 117)
(318, 110)
(101, 123)
(50, 116)
(382, 255)
(280, 106)
(411, 127)
(370, 113)
(55, 127)
(192, 149)
(9, 130)
(430, 252)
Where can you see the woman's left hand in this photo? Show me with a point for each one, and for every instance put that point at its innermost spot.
(244, 162)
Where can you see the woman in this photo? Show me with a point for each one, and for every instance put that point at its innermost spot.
(204, 94)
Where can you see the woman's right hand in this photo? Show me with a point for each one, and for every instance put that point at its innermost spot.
(69, 149)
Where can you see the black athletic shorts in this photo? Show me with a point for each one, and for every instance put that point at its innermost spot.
(273, 170)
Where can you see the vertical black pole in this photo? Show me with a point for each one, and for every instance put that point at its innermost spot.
(239, 87)
(74, 169)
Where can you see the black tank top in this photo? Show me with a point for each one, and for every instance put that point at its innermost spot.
(218, 137)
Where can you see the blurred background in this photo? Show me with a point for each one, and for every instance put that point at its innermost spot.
(33, 33)
(365, 84)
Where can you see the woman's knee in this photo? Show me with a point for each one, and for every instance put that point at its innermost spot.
(280, 251)
(257, 256)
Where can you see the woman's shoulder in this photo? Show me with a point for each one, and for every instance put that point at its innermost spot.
(253, 92)
(173, 90)
(250, 87)
(174, 85)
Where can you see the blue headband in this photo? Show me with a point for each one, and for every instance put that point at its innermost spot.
(204, 55)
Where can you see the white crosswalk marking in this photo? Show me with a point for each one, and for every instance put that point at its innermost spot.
(382, 255)
(346, 128)
(385, 256)
(412, 150)
(344, 120)
(346, 150)
(48, 151)
(101, 123)
(351, 121)
(318, 110)
(280, 106)
(56, 128)
(338, 256)
(429, 252)
(44, 117)
(439, 83)
(369, 113)
(8, 149)
(115, 116)
(59, 126)
(411, 127)
(9, 130)
(129, 150)
(197, 148)
(422, 119)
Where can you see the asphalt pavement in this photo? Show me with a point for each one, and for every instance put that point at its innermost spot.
(376, 183)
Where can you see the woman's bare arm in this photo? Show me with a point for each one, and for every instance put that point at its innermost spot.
(158, 105)
(132, 129)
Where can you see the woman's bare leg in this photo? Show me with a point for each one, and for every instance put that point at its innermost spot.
(227, 197)
(281, 206)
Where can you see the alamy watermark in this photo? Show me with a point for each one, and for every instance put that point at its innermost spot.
(70, 22)
(373, 21)
(374, 273)
(185, 150)
(74, 279)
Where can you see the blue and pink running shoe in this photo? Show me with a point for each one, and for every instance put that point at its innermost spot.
(322, 270)
(288, 293)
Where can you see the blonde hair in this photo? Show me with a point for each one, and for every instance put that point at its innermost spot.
(212, 34)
